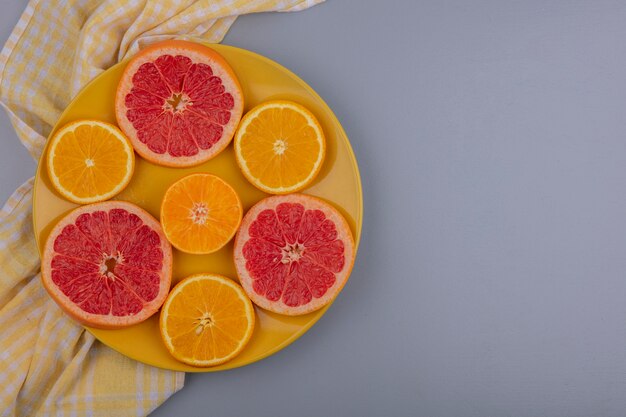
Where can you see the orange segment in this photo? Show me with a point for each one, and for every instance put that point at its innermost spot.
(280, 146)
(206, 320)
(200, 213)
(90, 161)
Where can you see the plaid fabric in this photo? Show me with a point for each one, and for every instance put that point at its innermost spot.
(48, 364)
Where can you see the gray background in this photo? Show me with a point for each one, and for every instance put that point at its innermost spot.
(490, 281)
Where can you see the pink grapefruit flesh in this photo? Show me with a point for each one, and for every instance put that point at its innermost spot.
(108, 265)
(293, 253)
(179, 103)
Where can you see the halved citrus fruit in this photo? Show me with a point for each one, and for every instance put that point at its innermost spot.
(293, 253)
(108, 265)
(280, 146)
(200, 213)
(179, 103)
(206, 320)
(89, 161)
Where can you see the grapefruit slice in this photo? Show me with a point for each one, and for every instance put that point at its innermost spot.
(179, 103)
(293, 253)
(107, 265)
(206, 320)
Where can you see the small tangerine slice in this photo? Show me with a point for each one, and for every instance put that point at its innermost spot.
(280, 146)
(206, 320)
(200, 213)
(89, 161)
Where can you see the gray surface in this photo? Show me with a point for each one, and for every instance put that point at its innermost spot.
(16, 164)
(490, 279)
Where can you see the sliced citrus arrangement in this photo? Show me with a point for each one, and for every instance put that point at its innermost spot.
(107, 265)
(89, 161)
(206, 320)
(280, 146)
(200, 213)
(179, 103)
(293, 253)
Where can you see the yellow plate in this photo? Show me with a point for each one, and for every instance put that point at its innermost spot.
(338, 183)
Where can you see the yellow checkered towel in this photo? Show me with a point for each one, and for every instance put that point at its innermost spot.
(49, 365)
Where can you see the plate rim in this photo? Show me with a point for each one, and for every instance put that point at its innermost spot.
(358, 220)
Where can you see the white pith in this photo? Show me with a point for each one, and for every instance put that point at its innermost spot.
(199, 213)
(177, 103)
(280, 146)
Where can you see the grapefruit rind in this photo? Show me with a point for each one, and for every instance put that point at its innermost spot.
(309, 203)
(98, 320)
(70, 127)
(198, 54)
(167, 340)
(312, 122)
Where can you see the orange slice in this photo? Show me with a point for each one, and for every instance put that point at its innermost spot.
(90, 161)
(280, 146)
(206, 320)
(200, 213)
